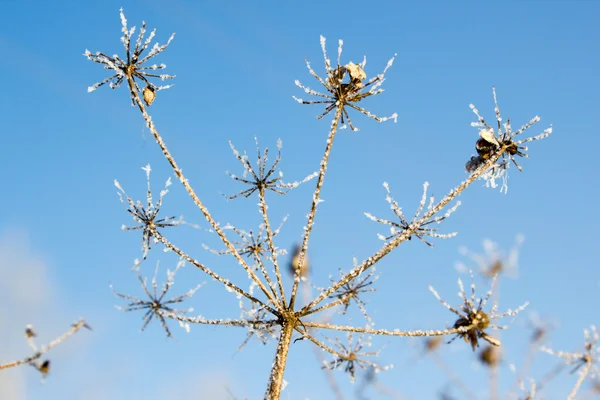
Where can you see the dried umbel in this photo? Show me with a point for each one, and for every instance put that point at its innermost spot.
(132, 67)
(156, 304)
(419, 228)
(346, 86)
(146, 215)
(491, 143)
(472, 319)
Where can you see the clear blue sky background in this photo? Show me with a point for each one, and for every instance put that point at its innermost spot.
(235, 64)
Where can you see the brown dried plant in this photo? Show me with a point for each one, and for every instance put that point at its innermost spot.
(35, 360)
(268, 307)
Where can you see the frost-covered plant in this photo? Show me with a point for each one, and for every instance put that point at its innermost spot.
(35, 360)
(268, 307)
(472, 316)
(586, 363)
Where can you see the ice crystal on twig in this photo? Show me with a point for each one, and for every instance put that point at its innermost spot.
(251, 245)
(156, 302)
(132, 66)
(351, 354)
(398, 228)
(346, 86)
(264, 178)
(146, 215)
(473, 318)
(490, 142)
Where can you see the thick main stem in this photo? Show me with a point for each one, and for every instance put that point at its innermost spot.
(276, 378)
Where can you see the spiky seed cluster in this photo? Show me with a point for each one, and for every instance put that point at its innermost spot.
(251, 245)
(146, 215)
(350, 355)
(354, 289)
(265, 178)
(346, 86)
(156, 303)
(132, 66)
(490, 142)
(420, 231)
(472, 317)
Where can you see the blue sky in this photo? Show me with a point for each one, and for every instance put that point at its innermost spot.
(236, 64)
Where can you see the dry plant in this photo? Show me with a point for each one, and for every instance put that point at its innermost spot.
(35, 360)
(495, 264)
(269, 308)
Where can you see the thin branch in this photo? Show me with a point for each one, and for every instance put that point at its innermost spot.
(387, 248)
(582, 376)
(44, 349)
(263, 212)
(229, 286)
(178, 172)
(315, 201)
(395, 332)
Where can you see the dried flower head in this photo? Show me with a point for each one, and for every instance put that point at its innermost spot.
(346, 86)
(131, 68)
(354, 289)
(424, 229)
(472, 317)
(156, 303)
(263, 179)
(491, 142)
(251, 245)
(146, 215)
(43, 367)
(29, 332)
(351, 355)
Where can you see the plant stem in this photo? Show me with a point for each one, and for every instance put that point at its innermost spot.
(582, 377)
(276, 378)
(315, 202)
(179, 174)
